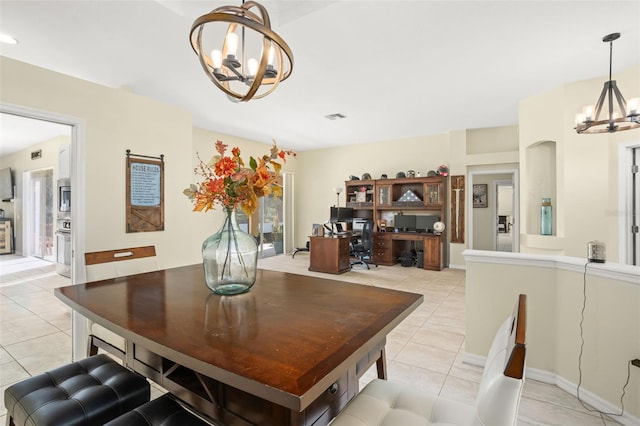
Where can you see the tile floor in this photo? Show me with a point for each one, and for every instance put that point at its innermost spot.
(425, 351)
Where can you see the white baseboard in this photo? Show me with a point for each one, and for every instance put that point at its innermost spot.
(453, 266)
(567, 386)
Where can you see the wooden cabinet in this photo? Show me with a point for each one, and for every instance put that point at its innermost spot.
(387, 247)
(397, 194)
(360, 194)
(383, 249)
(384, 195)
(433, 195)
(382, 199)
(6, 236)
(433, 248)
(330, 255)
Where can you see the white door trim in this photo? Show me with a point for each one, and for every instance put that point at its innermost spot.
(516, 204)
(78, 210)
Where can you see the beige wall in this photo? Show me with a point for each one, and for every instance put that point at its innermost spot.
(585, 176)
(480, 150)
(322, 170)
(115, 120)
(205, 224)
(492, 140)
(554, 288)
(491, 148)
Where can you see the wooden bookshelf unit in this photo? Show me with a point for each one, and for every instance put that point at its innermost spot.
(381, 199)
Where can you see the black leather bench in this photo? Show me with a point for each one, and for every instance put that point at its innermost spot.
(164, 411)
(89, 392)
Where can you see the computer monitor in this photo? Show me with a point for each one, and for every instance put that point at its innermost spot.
(425, 223)
(404, 222)
(341, 214)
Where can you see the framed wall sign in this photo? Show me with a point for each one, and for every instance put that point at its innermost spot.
(480, 195)
(145, 193)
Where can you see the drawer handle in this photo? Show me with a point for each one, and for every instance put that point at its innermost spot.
(333, 388)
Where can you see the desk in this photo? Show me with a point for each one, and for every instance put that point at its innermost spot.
(387, 247)
(289, 352)
(330, 255)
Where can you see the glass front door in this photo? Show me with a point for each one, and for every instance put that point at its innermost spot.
(266, 225)
(270, 219)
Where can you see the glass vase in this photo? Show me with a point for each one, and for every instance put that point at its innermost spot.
(230, 258)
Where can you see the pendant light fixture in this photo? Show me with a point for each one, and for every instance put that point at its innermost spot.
(621, 115)
(240, 52)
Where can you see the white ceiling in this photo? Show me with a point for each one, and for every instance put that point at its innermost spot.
(17, 133)
(395, 69)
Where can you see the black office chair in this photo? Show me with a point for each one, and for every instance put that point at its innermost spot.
(305, 248)
(363, 250)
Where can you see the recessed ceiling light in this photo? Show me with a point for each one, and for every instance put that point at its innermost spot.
(5, 38)
(336, 116)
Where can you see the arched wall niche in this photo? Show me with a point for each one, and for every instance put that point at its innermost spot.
(541, 183)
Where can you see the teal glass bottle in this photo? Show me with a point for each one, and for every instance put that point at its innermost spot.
(546, 217)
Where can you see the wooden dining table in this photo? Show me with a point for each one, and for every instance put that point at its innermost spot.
(288, 352)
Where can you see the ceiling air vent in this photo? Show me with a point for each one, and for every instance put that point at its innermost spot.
(336, 116)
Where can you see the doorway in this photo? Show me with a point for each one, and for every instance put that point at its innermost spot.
(264, 225)
(39, 215)
(484, 224)
(504, 208)
(76, 126)
(272, 222)
(270, 226)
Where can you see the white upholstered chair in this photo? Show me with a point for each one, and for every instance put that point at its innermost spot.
(385, 403)
(102, 265)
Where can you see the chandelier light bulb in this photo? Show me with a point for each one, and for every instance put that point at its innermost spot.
(232, 44)
(272, 54)
(252, 67)
(579, 119)
(216, 59)
(632, 106)
(587, 112)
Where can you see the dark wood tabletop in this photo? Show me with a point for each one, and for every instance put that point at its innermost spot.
(286, 340)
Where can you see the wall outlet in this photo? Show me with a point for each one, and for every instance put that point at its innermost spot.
(636, 362)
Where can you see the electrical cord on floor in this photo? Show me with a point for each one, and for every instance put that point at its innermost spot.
(624, 388)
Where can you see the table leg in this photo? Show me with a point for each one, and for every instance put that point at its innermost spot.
(381, 365)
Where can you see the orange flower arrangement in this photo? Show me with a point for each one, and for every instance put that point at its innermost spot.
(229, 183)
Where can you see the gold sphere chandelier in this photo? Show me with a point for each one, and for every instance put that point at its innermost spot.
(621, 115)
(239, 51)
